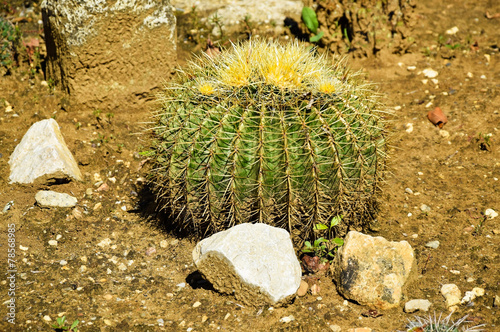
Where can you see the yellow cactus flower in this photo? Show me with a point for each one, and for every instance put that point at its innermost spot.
(206, 89)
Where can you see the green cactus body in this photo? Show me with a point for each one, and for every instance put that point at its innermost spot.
(267, 133)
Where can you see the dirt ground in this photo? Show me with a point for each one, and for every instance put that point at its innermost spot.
(116, 268)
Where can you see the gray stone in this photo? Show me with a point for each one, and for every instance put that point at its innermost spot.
(55, 199)
(255, 262)
(432, 244)
(415, 305)
(452, 294)
(109, 55)
(373, 271)
(42, 153)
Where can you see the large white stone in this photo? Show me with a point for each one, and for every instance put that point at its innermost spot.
(255, 262)
(42, 152)
(373, 271)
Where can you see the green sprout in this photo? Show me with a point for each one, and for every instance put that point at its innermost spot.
(60, 325)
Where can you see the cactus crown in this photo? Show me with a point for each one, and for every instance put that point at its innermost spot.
(269, 133)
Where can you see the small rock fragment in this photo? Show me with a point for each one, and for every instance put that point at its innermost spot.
(452, 294)
(452, 31)
(335, 328)
(315, 289)
(409, 191)
(196, 304)
(430, 73)
(496, 302)
(163, 243)
(97, 206)
(103, 187)
(7, 207)
(47, 318)
(55, 199)
(302, 288)
(425, 208)
(490, 213)
(150, 251)
(444, 134)
(104, 243)
(52, 242)
(287, 319)
(409, 128)
(469, 297)
(432, 244)
(415, 305)
(23, 248)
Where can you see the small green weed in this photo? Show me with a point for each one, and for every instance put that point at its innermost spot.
(60, 325)
(311, 21)
(321, 247)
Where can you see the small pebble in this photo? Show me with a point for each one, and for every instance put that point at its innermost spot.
(58, 236)
(227, 316)
(196, 304)
(150, 251)
(302, 288)
(335, 328)
(432, 244)
(63, 262)
(415, 305)
(409, 128)
(47, 318)
(97, 206)
(430, 73)
(490, 213)
(409, 191)
(83, 269)
(287, 319)
(452, 294)
(425, 208)
(163, 244)
(53, 242)
(23, 248)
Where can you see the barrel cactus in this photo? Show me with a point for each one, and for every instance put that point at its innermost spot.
(268, 133)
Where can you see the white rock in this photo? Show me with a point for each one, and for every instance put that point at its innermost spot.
(415, 305)
(47, 318)
(452, 31)
(335, 328)
(444, 134)
(425, 208)
(409, 128)
(255, 262)
(104, 243)
(432, 244)
(53, 243)
(23, 248)
(472, 295)
(409, 191)
(452, 294)
(430, 73)
(490, 213)
(42, 151)
(52, 198)
(287, 319)
(411, 68)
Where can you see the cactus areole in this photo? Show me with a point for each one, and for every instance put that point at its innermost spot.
(268, 133)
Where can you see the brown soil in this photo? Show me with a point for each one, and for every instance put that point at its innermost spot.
(125, 285)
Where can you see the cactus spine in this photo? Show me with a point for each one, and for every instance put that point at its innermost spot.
(268, 133)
